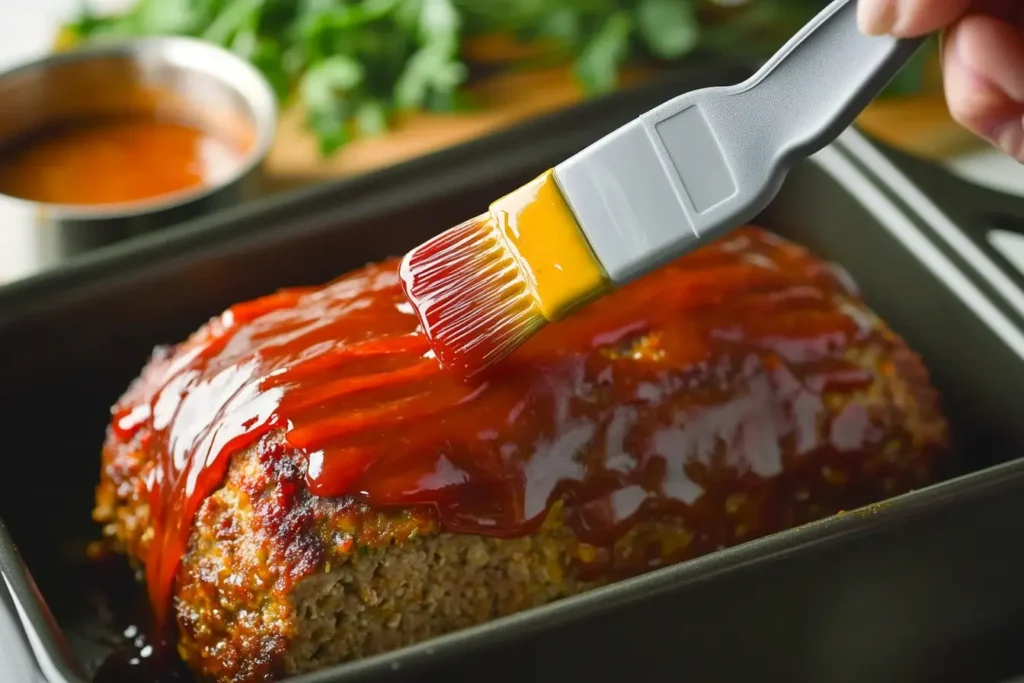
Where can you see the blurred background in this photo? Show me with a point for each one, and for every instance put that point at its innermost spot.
(369, 84)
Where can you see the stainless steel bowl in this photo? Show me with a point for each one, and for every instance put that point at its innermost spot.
(172, 76)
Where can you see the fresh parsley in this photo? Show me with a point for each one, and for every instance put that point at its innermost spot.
(354, 63)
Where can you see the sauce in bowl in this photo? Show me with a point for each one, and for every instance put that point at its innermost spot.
(115, 160)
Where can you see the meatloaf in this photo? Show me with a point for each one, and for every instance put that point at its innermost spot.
(302, 485)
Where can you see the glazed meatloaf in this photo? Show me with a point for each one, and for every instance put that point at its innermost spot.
(302, 485)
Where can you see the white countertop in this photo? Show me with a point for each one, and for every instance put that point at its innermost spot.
(28, 27)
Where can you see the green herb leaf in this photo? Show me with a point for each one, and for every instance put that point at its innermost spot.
(439, 21)
(354, 63)
(168, 16)
(669, 27)
(327, 90)
(335, 75)
(431, 69)
(598, 65)
(372, 118)
(267, 57)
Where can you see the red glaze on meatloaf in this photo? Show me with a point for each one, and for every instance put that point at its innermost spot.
(303, 484)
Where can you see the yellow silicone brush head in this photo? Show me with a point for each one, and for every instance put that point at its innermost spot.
(471, 297)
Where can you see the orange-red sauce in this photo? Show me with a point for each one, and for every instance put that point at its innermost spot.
(114, 161)
(742, 340)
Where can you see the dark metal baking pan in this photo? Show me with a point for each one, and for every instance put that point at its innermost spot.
(928, 586)
(962, 218)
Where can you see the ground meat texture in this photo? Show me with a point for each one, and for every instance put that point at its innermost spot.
(276, 580)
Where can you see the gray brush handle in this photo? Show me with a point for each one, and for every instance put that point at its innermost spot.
(720, 154)
(806, 95)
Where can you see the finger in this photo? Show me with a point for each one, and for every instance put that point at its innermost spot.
(906, 18)
(983, 68)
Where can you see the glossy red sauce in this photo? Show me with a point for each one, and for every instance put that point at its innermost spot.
(729, 350)
(115, 160)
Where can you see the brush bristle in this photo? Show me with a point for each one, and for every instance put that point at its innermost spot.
(470, 295)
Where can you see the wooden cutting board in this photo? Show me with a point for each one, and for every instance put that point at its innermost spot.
(501, 101)
(920, 124)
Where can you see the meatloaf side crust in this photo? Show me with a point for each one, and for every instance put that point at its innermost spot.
(278, 581)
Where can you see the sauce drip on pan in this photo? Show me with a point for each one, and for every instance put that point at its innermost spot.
(751, 330)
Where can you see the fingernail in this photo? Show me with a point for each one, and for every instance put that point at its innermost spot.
(876, 17)
(1009, 138)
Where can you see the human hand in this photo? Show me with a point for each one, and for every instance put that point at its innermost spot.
(982, 58)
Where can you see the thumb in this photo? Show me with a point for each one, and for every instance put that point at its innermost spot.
(983, 67)
(907, 18)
